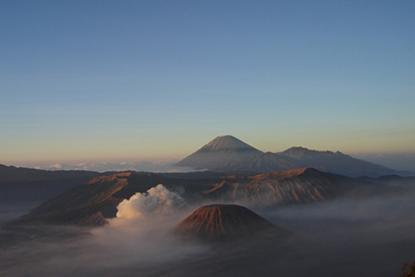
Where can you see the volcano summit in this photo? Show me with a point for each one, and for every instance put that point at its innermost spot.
(223, 222)
(224, 153)
(229, 154)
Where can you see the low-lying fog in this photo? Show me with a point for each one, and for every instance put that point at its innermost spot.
(9, 211)
(339, 238)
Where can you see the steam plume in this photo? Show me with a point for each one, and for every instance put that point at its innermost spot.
(157, 199)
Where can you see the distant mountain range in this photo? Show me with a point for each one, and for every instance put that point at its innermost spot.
(229, 154)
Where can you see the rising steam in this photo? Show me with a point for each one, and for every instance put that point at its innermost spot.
(157, 200)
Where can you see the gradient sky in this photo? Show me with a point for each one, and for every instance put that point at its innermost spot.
(108, 80)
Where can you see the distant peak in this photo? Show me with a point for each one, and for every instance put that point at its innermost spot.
(226, 137)
(227, 143)
(300, 150)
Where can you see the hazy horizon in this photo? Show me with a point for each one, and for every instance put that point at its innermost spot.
(397, 161)
(155, 80)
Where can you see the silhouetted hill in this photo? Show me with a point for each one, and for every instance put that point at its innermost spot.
(335, 162)
(12, 174)
(28, 184)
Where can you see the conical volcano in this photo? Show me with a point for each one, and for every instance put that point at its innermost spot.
(224, 153)
(223, 222)
(227, 143)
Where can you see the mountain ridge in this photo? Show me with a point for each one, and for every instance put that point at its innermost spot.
(229, 154)
(293, 186)
(95, 201)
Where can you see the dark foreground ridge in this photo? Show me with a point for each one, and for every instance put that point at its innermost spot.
(223, 222)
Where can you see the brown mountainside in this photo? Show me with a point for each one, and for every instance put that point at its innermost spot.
(302, 185)
(223, 222)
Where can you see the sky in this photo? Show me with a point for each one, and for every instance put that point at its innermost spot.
(155, 80)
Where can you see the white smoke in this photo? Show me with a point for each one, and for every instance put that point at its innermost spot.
(157, 200)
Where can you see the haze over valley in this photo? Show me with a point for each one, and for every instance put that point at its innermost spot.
(286, 205)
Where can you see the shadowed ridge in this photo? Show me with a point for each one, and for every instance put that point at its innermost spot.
(35, 185)
(81, 205)
(335, 162)
(300, 151)
(110, 178)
